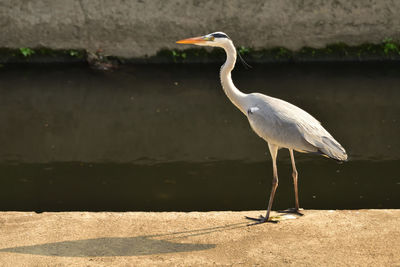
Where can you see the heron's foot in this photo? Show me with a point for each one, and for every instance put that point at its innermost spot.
(292, 210)
(260, 220)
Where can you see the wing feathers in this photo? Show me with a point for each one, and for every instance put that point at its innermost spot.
(286, 125)
(325, 143)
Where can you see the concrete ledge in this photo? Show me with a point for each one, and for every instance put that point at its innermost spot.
(320, 238)
(388, 51)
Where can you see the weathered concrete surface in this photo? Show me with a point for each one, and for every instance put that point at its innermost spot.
(138, 28)
(320, 238)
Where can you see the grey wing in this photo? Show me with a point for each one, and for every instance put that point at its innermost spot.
(276, 128)
(292, 127)
(317, 136)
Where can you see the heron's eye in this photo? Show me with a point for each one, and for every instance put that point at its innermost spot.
(211, 38)
(220, 35)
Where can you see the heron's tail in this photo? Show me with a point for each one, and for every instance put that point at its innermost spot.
(332, 149)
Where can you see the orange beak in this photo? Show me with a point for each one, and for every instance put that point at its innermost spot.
(194, 40)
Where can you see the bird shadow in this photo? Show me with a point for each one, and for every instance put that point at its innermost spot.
(123, 246)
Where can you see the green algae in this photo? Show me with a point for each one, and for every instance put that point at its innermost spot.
(388, 49)
(41, 55)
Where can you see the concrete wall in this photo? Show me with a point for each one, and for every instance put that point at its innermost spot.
(139, 28)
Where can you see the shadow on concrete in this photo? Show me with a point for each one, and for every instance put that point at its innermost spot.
(122, 246)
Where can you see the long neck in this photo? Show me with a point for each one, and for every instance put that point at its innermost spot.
(234, 94)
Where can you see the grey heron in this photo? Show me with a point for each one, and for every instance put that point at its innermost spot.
(279, 123)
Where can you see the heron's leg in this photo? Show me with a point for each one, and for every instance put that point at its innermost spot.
(296, 193)
(273, 149)
(294, 174)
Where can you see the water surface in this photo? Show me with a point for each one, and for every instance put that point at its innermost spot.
(166, 138)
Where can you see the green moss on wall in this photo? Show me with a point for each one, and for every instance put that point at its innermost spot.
(387, 50)
(41, 55)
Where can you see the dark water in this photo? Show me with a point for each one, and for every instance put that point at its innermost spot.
(166, 138)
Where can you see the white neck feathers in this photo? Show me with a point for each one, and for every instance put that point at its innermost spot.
(234, 94)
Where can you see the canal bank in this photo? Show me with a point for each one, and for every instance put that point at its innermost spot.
(320, 237)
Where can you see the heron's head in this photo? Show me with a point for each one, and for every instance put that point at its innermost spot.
(218, 39)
